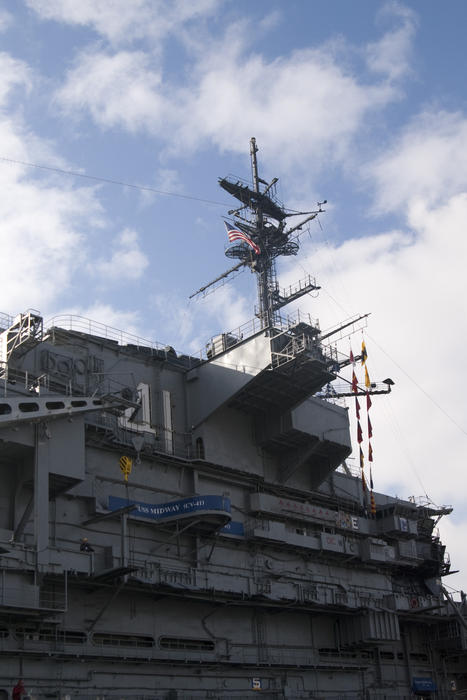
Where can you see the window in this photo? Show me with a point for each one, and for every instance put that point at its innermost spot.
(122, 640)
(184, 643)
(50, 634)
(200, 454)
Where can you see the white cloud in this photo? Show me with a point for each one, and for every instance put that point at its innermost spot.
(13, 73)
(412, 280)
(391, 55)
(307, 105)
(45, 220)
(189, 324)
(100, 318)
(127, 261)
(302, 106)
(414, 286)
(121, 90)
(426, 162)
(452, 530)
(41, 232)
(230, 308)
(123, 21)
(40, 229)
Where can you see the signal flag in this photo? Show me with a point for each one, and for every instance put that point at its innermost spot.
(235, 235)
(354, 382)
(364, 486)
(364, 353)
(367, 379)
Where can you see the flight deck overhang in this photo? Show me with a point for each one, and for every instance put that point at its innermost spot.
(313, 435)
(270, 370)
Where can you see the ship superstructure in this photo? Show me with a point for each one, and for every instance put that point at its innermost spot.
(174, 526)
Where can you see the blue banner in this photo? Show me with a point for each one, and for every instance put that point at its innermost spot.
(423, 685)
(233, 528)
(173, 509)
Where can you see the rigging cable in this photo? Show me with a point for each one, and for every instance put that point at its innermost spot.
(147, 188)
(109, 181)
(420, 388)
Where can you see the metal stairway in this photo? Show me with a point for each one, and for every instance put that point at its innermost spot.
(24, 333)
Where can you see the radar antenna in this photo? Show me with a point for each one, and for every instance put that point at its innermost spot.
(260, 235)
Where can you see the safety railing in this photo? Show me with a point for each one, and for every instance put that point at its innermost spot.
(216, 344)
(80, 324)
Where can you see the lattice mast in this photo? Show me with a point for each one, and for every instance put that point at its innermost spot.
(266, 276)
(266, 227)
(261, 222)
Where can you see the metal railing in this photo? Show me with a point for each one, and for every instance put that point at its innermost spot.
(162, 440)
(5, 321)
(80, 324)
(22, 379)
(217, 343)
(293, 289)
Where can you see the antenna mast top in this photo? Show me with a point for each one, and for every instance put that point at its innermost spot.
(259, 233)
(262, 220)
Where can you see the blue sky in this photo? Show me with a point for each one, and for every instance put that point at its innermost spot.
(361, 103)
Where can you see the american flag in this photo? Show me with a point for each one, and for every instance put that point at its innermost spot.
(235, 235)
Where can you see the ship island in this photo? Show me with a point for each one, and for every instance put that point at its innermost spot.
(177, 526)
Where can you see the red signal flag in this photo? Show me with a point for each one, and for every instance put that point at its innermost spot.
(354, 382)
(357, 408)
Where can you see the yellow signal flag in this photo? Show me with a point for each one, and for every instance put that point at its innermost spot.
(126, 464)
(364, 353)
(367, 379)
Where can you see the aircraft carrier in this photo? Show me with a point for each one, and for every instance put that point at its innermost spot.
(176, 526)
